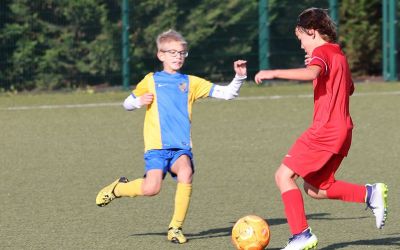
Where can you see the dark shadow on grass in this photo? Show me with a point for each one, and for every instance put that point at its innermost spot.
(326, 216)
(215, 232)
(211, 233)
(226, 231)
(393, 242)
(220, 232)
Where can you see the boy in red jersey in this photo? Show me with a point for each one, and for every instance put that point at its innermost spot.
(317, 153)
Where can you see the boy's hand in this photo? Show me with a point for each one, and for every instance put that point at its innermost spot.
(264, 74)
(146, 99)
(240, 67)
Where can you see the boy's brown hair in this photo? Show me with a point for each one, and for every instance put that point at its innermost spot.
(319, 20)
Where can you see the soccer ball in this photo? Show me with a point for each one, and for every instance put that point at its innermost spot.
(250, 233)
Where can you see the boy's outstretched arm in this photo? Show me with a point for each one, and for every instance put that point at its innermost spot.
(132, 102)
(301, 74)
(231, 90)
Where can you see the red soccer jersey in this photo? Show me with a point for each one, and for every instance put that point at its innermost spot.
(331, 128)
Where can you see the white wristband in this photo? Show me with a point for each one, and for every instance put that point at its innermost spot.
(132, 103)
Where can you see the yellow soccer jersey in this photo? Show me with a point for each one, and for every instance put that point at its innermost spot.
(167, 122)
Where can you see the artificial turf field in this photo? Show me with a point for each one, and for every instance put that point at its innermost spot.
(58, 150)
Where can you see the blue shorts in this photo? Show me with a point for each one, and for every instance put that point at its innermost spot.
(164, 159)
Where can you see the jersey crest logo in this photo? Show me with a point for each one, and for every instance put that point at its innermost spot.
(183, 87)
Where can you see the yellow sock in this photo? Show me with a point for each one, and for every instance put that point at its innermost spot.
(182, 200)
(130, 189)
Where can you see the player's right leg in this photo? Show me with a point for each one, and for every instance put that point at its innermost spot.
(302, 237)
(149, 186)
(152, 182)
(107, 194)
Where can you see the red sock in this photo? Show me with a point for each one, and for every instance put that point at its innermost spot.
(294, 210)
(344, 191)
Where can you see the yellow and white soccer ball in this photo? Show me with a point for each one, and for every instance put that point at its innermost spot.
(250, 232)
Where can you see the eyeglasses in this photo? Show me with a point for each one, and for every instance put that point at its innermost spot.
(175, 53)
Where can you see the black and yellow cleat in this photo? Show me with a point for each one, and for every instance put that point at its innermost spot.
(175, 235)
(106, 195)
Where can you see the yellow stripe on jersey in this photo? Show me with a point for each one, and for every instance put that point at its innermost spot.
(199, 88)
(151, 128)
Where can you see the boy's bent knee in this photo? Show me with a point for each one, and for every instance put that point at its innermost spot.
(185, 177)
(278, 178)
(314, 192)
(283, 175)
(151, 189)
(285, 179)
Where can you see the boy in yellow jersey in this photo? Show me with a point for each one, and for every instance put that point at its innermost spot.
(168, 96)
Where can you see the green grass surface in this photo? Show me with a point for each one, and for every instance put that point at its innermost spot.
(55, 155)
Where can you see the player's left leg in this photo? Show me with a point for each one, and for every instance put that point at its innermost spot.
(323, 185)
(338, 190)
(374, 196)
(314, 192)
(183, 169)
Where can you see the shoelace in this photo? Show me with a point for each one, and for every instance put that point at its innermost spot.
(290, 240)
(108, 197)
(296, 236)
(178, 232)
(370, 207)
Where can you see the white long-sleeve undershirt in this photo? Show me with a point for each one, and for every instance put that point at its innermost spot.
(227, 92)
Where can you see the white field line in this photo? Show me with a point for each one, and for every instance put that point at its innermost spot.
(247, 98)
(65, 106)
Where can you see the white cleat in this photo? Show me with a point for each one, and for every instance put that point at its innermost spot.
(305, 240)
(377, 201)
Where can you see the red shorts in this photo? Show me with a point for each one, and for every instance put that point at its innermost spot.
(316, 167)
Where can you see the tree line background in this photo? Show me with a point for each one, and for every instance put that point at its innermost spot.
(58, 44)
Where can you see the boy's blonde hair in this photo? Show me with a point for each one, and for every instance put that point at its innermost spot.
(169, 36)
